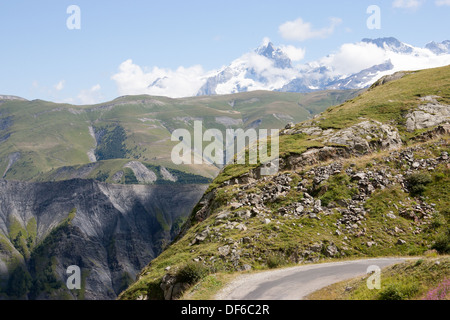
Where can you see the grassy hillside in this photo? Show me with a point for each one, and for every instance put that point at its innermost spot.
(353, 182)
(38, 137)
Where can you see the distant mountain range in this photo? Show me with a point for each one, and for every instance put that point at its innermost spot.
(353, 66)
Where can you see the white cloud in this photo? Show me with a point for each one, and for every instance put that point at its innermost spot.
(354, 57)
(182, 82)
(265, 41)
(60, 85)
(300, 30)
(257, 62)
(90, 96)
(442, 2)
(294, 53)
(407, 4)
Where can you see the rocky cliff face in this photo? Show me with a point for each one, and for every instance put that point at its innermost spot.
(110, 231)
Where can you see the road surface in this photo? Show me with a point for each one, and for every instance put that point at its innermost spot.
(297, 283)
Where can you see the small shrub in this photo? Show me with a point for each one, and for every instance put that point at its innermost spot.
(438, 176)
(390, 293)
(192, 272)
(276, 260)
(442, 242)
(154, 291)
(437, 221)
(417, 182)
(418, 262)
(398, 292)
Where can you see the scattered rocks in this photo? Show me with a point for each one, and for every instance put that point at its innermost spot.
(200, 237)
(223, 215)
(246, 267)
(317, 247)
(313, 215)
(246, 240)
(390, 215)
(370, 243)
(171, 288)
(290, 125)
(224, 251)
(331, 250)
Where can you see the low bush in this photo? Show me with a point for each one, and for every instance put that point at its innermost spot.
(442, 242)
(276, 260)
(192, 272)
(398, 292)
(417, 182)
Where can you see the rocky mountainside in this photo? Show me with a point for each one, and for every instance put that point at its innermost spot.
(110, 231)
(369, 177)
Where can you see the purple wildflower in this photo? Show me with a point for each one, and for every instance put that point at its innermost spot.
(441, 292)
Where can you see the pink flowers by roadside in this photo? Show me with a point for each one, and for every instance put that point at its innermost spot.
(441, 292)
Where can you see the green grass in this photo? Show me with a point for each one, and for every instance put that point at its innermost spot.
(390, 102)
(105, 171)
(411, 280)
(207, 287)
(336, 188)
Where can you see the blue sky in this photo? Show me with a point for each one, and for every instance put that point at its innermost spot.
(42, 59)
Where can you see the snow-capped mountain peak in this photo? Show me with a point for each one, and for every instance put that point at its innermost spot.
(391, 44)
(280, 59)
(352, 66)
(266, 68)
(439, 48)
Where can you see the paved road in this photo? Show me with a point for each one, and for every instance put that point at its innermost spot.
(297, 282)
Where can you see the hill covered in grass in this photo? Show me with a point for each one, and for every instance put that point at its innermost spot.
(45, 141)
(365, 178)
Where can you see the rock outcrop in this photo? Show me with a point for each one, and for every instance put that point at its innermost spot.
(429, 115)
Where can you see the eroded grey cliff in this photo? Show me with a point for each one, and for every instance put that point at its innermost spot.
(113, 231)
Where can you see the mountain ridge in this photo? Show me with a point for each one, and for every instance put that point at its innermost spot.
(42, 140)
(277, 72)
